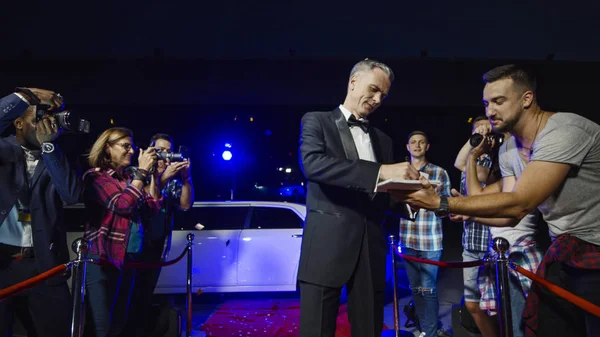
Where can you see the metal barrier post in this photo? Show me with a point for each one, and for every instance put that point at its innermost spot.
(190, 238)
(393, 243)
(501, 246)
(79, 246)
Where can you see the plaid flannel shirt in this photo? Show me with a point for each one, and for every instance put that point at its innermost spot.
(526, 254)
(425, 233)
(476, 236)
(112, 204)
(565, 249)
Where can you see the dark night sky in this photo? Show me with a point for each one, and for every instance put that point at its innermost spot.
(314, 29)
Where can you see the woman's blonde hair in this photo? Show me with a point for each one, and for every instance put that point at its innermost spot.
(98, 156)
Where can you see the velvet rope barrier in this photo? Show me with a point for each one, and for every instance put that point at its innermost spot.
(578, 301)
(144, 264)
(461, 264)
(22, 286)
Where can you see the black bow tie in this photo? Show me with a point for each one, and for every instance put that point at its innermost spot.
(363, 124)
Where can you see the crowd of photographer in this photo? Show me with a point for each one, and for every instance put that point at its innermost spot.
(129, 217)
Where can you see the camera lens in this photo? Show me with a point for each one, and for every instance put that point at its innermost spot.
(70, 121)
(475, 139)
(170, 156)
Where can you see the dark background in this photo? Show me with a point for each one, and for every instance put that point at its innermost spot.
(201, 71)
(205, 103)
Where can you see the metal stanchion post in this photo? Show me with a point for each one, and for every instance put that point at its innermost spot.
(393, 243)
(501, 246)
(190, 238)
(79, 246)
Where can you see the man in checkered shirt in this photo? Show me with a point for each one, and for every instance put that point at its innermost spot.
(423, 238)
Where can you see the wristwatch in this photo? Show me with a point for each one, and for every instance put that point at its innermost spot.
(47, 147)
(442, 211)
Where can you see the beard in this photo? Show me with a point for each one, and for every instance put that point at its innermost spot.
(508, 124)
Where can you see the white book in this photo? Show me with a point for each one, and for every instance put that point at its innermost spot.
(407, 185)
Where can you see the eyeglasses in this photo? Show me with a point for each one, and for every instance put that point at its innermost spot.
(127, 146)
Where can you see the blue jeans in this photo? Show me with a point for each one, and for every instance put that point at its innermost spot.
(517, 305)
(108, 296)
(423, 283)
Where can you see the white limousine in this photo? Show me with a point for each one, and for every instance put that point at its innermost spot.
(245, 246)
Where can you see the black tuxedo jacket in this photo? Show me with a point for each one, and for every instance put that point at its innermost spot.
(341, 203)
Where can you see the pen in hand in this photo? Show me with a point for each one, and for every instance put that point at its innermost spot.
(412, 215)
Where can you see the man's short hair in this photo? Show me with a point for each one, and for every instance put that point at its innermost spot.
(519, 75)
(417, 132)
(479, 118)
(370, 64)
(162, 136)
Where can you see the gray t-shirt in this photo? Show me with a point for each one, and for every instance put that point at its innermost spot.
(511, 165)
(575, 206)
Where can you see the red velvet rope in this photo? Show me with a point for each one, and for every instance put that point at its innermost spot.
(22, 286)
(578, 301)
(144, 264)
(468, 264)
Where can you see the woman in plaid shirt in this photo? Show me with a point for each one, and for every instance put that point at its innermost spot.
(115, 198)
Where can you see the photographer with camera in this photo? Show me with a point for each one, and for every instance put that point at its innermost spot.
(178, 194)
(522, 237)
(116, 196)
(476, 238)
(36, 180)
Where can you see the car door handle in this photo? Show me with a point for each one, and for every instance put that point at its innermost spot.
(296, 235)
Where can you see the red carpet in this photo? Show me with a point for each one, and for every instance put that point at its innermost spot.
(263, 318)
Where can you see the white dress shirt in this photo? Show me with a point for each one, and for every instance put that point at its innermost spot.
(362, 140)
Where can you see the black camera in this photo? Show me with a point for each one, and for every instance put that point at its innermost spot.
(493, 138)
(172, 156)
(65, 119)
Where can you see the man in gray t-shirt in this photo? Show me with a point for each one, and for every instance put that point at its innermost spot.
(573, 208)
(561, 179)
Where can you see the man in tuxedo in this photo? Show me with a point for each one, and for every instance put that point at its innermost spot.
(343, 159)
(35, 181)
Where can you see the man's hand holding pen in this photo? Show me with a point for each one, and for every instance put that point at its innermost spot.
(401, 171)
